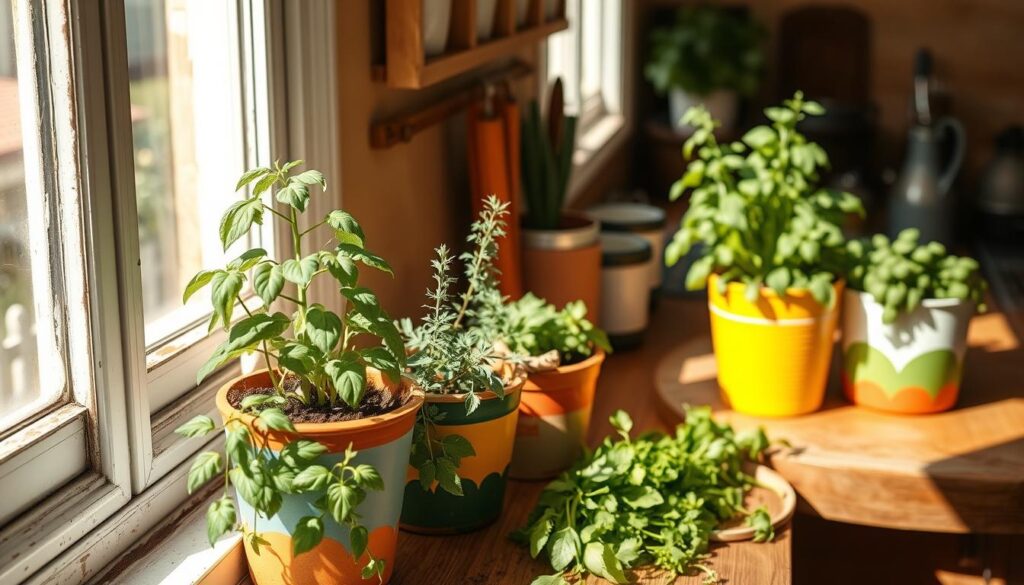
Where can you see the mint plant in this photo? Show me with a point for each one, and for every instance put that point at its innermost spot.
(757, 209)
(650, 500)
(448, 357)
(901, 273)
(262, 477)
(320, 364)
(532, 327)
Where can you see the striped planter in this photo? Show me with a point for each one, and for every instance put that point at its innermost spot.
(773, 354)
(382, 441)
(554, 416)
(491, 430)
(910, 366)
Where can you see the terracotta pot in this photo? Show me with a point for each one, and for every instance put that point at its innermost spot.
(382, 441)
(910, 366)
(564, 265)
(491, 430)
(554, 417)
(773, 354)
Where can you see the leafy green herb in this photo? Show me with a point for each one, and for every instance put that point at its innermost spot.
(761, 521)
(530, 326)
(902, 273)
(262, 478)
(654, 500)
(450, 358)
(757, 209)
(707, 48)
(320, 361)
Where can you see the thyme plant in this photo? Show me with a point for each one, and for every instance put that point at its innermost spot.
(901, 273)
(757, 208)
(448, 357)
(320, 363)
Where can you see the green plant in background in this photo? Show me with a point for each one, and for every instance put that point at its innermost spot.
(707, 48)
(447, 356)
(531, 326)
(320, 364)
(546, 154)
(654, 500)
(899, 274)
(757, 209)
(262, 477)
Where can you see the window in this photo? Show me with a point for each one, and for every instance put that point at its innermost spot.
(123, 127)
(589, 58)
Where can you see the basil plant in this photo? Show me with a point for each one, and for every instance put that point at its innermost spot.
(319, 364)
(757, 208)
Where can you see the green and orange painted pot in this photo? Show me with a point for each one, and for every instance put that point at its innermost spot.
(382, 441)
(910, 366)
(554, 417)
(491, 429)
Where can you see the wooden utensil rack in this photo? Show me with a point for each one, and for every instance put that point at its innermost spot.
(401, 128)
(406, 65)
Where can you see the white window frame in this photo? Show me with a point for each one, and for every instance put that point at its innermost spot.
(605, 124)
(95, 402)
(100, 516)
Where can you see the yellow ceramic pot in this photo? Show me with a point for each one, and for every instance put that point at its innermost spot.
(773, 354)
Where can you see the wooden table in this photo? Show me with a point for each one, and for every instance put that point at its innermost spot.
(959, 472)
(487, 557)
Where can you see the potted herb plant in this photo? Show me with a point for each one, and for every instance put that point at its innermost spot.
(562, 353)
(905, 320)
(708, 56)
(293, 428)
(561, 251)
(771, 251)
(463, 439)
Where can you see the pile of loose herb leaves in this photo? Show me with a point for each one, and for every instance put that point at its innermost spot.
(651, 500)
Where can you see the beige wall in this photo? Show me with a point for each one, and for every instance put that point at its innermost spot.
(410, 197)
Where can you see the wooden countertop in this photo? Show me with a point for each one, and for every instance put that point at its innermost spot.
(487, 557)
(960, 471)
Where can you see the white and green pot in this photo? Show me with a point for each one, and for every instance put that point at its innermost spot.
(910, 366)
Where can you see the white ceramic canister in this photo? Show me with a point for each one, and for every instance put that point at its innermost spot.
(912, 365)
(485, 10)
(625, 287)
(436, 20)
(646, 221)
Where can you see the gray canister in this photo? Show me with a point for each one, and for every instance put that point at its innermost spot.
(646, 221)
(625, 287)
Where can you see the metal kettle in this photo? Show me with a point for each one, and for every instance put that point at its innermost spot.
(921, 196)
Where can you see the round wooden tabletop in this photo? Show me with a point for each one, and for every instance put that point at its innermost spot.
(958, 471)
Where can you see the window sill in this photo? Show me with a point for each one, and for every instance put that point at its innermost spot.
(184, 557)
(594, 148)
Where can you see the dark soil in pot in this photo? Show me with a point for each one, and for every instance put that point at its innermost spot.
(376, 401)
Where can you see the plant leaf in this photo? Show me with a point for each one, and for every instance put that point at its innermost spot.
(274, 419)
(206, 466)
(308, 533)
(220, 518)
(239, 219)
(225, 285)
(565, 547)
(323, 328)
(294, 194)
(198, 426)
(200, 280)
(312, 479)
(346, 229)
(358, 538)
(300, 271)
(348, 377)
(267, 281)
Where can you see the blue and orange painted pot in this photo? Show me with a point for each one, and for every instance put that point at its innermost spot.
(491, 429)
(554, 417)
(910, 366)
(382, 441)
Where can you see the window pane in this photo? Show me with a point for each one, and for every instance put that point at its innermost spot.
(187, 119)
(20, 392)
(590, 55)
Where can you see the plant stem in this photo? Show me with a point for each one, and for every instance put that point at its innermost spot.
(313, 228)
(274, 381)
(275, 212)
